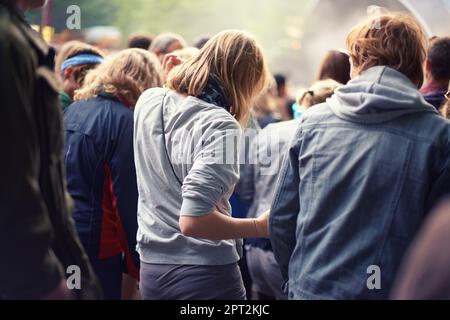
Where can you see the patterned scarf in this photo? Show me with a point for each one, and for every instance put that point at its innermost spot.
(215, 94)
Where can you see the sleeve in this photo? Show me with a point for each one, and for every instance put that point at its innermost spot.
(29, 267)
(440, 188)
(285, 208)
(215, 169)
(246, 187)
(123, 173)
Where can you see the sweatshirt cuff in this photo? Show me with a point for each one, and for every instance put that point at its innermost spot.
(196, 207)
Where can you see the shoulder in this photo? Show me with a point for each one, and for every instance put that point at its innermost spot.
(149, 97)
(318, 112)
(281, 127)
(13, 43)
(89, 113)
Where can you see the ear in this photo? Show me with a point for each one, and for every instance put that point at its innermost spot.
(427, 65)
(67, 73)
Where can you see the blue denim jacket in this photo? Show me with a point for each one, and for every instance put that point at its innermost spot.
(362, 172)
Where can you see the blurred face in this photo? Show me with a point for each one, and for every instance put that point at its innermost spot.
(30, 4)
(174, 47)
(69, 82)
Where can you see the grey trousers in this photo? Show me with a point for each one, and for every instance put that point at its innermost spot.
(179, 282)
(265, 273)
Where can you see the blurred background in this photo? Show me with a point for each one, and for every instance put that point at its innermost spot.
(295, 34)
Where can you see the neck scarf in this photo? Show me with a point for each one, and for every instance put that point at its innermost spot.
(215, 94)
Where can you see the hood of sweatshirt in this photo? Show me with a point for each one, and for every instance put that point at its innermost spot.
(378, 95)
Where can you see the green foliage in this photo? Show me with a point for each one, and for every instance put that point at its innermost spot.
(93, 13)
(276, 24)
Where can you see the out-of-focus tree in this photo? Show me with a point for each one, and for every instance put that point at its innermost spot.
(93, 13)
(276, 24)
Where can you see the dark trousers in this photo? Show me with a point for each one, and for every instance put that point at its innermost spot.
(109, 273)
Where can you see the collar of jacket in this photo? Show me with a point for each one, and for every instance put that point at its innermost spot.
(378, 95)
(121, 100)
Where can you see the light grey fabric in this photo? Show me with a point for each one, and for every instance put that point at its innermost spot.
(178, 282)
(268, 151)
(380, 94)
(202, 141)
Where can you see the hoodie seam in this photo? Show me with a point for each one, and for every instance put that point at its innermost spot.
(371, 128)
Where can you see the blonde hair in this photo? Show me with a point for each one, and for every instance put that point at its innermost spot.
(318, 93)
(126, 74)
(392, 40)
(186, 53)
(236, 60)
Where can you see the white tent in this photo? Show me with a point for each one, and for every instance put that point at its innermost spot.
(327, 23)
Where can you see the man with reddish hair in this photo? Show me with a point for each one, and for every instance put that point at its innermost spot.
(362, 172)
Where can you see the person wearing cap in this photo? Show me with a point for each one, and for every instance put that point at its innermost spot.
(80, 60)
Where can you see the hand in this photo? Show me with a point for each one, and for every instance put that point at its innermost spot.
(170, 61)
(61, 292)
(262, 225)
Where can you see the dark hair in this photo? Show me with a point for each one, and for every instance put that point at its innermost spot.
(439, 58)
(335, 66)
(201, 41)
(140, 41)
(280, 80)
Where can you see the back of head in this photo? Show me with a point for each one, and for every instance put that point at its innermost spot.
(201, 41)
(125, 75)
(393, 40)
(162, 43)
(235, 62)
(186, 53)
(140, 41)
(71, 49)
(439, 58)
(318, 93)
(335, 65)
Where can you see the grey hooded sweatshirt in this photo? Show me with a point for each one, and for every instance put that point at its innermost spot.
(186, 155)
(361, 174)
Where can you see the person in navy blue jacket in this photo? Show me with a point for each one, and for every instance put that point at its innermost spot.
(100, 163)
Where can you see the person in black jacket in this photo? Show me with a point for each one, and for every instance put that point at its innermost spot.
(38, 242)
(101, 174)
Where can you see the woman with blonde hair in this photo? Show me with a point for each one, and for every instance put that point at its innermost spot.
(186, 142)
(318, 93)
(99, 162)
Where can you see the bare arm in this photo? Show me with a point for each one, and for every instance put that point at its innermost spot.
(217, 226)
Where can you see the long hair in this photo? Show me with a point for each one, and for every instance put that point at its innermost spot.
(126, 75)
(235, 59)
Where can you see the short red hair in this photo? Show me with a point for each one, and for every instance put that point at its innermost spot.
(393, 40)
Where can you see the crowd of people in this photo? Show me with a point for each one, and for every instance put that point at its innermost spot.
(170, 172)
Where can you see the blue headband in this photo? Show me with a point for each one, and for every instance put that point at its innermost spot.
(81, 60)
